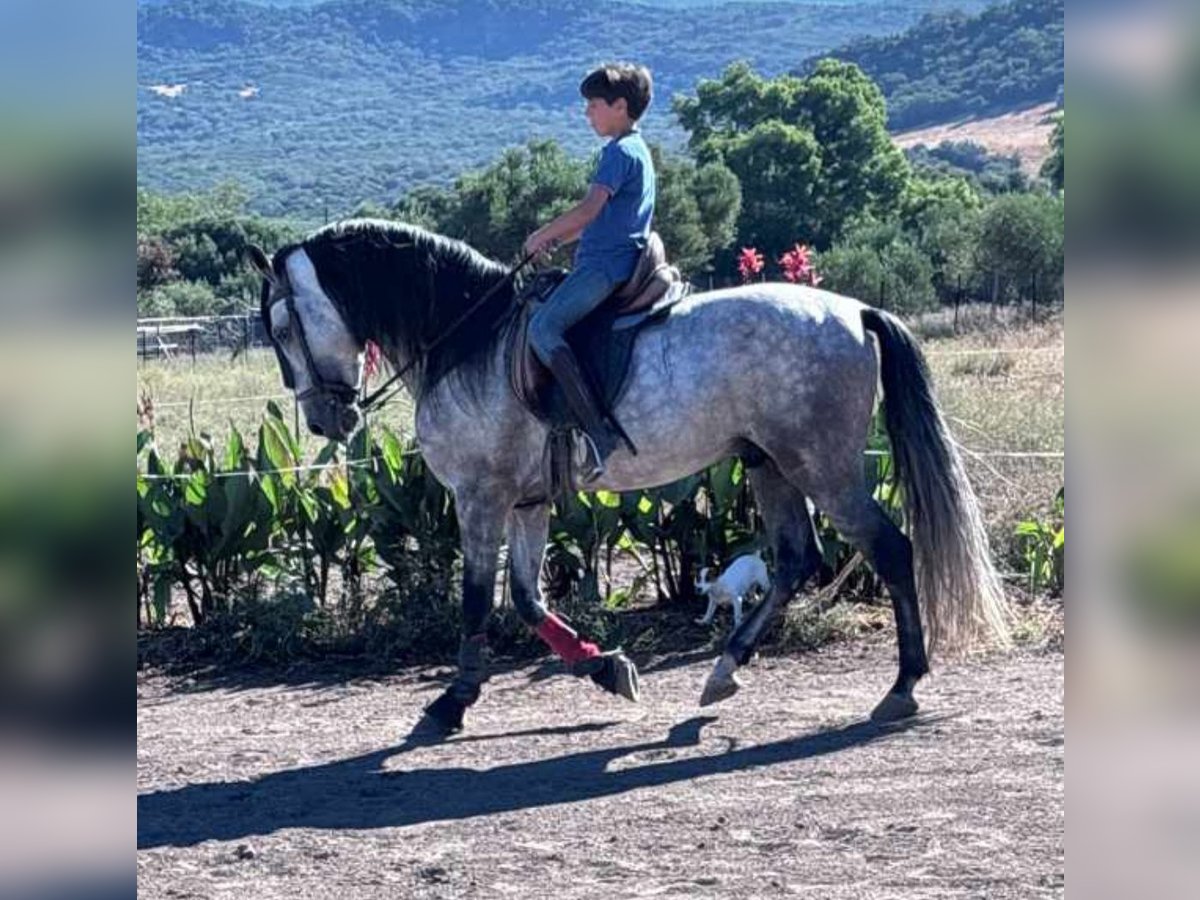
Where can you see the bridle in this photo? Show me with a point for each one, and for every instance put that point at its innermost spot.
(337, 391)
(345, 394)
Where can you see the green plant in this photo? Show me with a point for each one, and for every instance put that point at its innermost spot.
(1043, 547)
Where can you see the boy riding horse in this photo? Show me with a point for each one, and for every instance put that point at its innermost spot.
(612, 224)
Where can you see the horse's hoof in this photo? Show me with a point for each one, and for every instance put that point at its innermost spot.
(722, 682)
(718, 689)
(444, 716)
(894, 707)
(618, 675)
(428, 730)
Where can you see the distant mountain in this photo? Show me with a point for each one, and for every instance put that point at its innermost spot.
(316, 106)
(953, 65)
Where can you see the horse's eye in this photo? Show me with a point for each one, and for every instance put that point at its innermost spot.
(281, 334)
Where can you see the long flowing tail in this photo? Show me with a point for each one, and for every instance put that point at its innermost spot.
(959, 590)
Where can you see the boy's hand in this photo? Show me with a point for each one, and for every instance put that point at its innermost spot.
(538, 244)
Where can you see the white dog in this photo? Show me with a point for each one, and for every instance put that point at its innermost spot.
(742, 576)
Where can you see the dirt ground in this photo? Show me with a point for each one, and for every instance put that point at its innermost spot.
(259, 789)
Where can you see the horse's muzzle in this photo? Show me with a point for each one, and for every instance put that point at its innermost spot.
(331, 419)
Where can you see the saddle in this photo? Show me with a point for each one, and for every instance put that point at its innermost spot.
(602, 342)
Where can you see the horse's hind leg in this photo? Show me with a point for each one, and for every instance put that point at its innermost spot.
(797, 555)
(861, 521)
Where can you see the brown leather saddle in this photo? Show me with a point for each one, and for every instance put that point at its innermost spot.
(603, 342)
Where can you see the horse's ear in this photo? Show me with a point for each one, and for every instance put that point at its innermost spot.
(259, 260)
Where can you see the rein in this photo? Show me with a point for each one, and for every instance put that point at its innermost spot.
(380, 395)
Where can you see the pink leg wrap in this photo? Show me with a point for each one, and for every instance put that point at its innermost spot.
(564, 641)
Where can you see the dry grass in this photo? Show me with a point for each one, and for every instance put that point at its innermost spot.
(1001, 386)
(219, 389)
(1025, 133)
(984, 365)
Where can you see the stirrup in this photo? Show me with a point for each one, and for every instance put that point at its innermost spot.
(593, 465)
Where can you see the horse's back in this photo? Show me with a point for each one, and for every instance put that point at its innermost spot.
(763, 345)
(800, 322)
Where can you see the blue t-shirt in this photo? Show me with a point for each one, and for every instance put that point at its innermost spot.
(615, 238)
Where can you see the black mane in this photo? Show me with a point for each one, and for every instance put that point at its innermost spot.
(403, 287)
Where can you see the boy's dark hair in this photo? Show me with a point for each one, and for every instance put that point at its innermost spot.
(616, 80)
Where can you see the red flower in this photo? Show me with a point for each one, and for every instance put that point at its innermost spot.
(371, 360)
(750, 263)
(797, 266)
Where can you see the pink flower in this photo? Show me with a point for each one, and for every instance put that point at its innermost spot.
(797, 266)
(750, 263)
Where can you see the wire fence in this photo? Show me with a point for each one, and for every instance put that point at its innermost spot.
(365, 463)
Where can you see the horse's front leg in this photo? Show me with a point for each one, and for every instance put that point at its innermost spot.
(481, 523)
(613, 671)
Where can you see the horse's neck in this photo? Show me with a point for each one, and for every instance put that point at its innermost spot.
(497, 354)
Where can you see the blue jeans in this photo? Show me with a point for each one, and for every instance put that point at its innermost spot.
(581, 292)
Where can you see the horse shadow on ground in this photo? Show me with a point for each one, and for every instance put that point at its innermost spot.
(358, 793)
(340, 674)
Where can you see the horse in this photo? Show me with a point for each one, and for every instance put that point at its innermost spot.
(783, 375)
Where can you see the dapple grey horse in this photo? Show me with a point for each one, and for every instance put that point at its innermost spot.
(782, 374)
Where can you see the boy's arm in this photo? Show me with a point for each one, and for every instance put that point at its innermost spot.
(569, 225)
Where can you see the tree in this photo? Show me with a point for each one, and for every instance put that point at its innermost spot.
(810, 153)
(497, 208)
(879, 264)
(864, 171)
(181, 298)
(155, 263)
(677, 214)
(695, 210)
(779, 168)
(737, 102)
(1054, 168)
(1021, 239)
(942, 215)
(430, 206)
(200, 238)
(211, 249)
(159, 213)
(719, 199)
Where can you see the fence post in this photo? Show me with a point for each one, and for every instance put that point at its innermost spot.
(957, 302)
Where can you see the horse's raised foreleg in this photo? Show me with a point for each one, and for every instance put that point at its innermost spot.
(527, 529)
(797, 557)
(481, 523)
